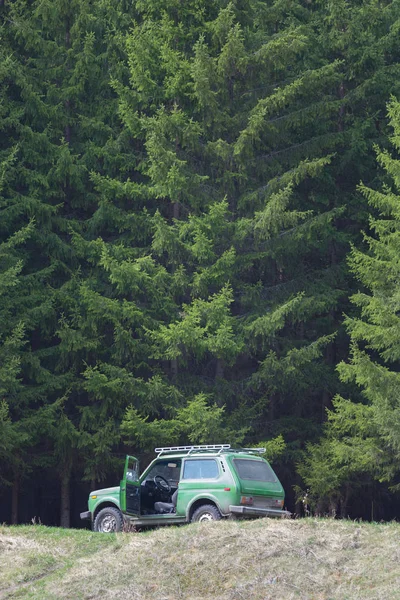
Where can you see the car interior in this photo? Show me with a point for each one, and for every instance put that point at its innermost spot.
(159, 490)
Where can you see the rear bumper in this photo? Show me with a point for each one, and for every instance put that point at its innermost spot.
(86, 515)
(250, 511)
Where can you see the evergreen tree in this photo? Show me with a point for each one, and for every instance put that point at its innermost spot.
(361, 442)
(60, 120)
(255, 129)
(214, 101)
(15, 426)
(191, 170)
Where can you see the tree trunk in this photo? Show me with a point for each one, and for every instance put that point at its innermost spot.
(174, 368)
(344, 503)
(341, 109)
(65, 500)
(333, 508)
(273, 398)
(175, 210)
(219, 369)
(14, 501)
(67, 132)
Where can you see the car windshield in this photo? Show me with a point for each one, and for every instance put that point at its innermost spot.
(169, 469)
(255, 470)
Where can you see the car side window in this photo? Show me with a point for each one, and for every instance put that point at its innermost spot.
(200, 468)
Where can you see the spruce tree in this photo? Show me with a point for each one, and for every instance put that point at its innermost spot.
(190, 169)
(361, 442)
(221, 106)
(59, 122)
(15, 310)
(255, 129)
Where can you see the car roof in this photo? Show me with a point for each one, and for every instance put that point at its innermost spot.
(208, 451)
(209, 455)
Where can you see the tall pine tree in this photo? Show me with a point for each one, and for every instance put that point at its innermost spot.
(361, 442)
(221, 102)
(59, 121)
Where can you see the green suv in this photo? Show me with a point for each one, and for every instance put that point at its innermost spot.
(186, 484)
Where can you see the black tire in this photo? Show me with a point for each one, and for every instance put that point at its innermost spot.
(206, 512)
(108, 520)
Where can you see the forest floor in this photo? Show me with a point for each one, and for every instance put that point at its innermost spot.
(319, 559)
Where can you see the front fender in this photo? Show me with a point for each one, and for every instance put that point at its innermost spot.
(111, 497)
(107, 501)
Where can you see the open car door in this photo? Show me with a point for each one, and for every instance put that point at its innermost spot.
(129, 494)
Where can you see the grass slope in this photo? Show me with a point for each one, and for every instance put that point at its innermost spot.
(265, 559)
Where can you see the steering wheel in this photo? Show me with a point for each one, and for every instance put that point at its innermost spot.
(162, 484)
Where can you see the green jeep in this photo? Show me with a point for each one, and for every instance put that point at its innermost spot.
(186, 484)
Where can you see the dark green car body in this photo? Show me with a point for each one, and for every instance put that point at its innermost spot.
(189, 483)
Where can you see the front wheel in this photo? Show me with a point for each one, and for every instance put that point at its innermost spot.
(206, 512)
(108, 520)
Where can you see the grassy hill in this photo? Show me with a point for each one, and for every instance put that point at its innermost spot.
(265, 559)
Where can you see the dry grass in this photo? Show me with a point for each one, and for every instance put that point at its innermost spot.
(311, 559)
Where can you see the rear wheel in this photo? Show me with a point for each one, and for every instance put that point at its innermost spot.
(206, 512)
(108, 520)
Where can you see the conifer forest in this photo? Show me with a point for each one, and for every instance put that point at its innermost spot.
(199, 243)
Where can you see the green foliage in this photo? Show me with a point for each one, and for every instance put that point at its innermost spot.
(177, 199)
(206, 327)
(10, 441)
(237, 243)
(361, 439)
(274, 448)
(197, 422)
(347, 457)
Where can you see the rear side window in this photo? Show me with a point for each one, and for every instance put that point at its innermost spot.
(201, 468)
(255, 470)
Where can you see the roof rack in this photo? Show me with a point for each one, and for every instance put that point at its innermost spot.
(219, 448)
(190, 449)
(250, 450)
